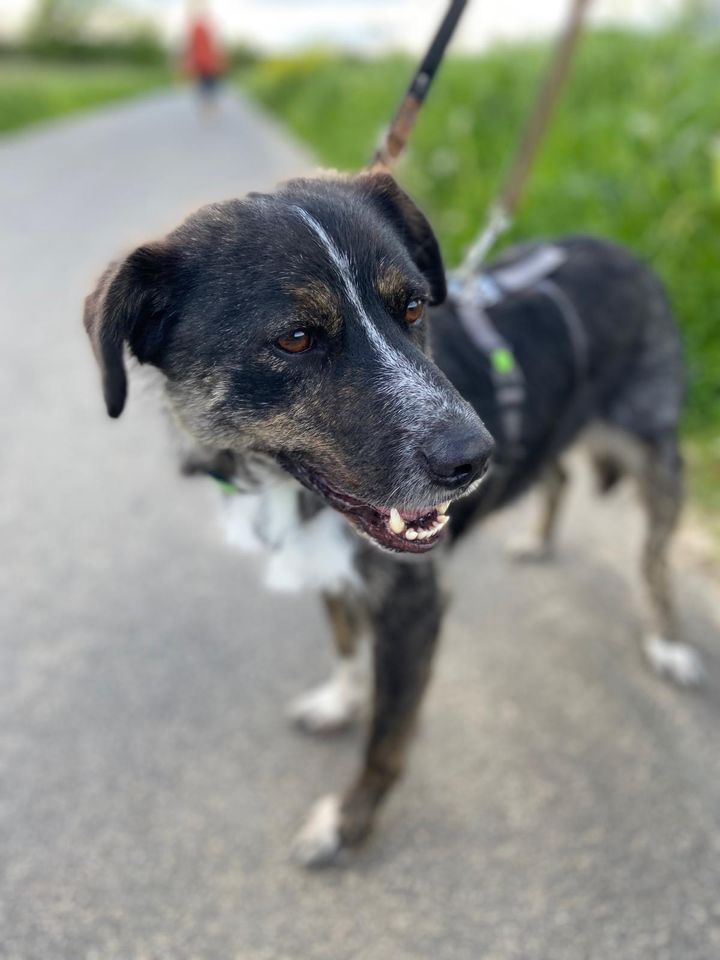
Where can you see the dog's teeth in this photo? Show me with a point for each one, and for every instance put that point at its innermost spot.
(441, 521)
(411, 534)
(396, 522)
(442, 507)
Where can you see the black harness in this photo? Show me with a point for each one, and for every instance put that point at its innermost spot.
(478, 295)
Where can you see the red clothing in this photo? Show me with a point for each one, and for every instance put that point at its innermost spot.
(203, 57)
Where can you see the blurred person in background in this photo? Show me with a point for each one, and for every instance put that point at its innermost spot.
(204, 60)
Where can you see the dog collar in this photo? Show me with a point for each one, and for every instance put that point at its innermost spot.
(227, 486)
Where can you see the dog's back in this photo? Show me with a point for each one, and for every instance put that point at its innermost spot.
(593, 339)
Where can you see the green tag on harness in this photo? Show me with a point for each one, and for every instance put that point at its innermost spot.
(227, 486)
(502, 360)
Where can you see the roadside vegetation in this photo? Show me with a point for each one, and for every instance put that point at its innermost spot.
(633, 154)
(32, 90)
(63, 63)
(58, 66)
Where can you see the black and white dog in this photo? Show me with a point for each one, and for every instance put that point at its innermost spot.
(298, 355)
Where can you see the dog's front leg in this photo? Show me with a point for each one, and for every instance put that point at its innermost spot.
(405, 611)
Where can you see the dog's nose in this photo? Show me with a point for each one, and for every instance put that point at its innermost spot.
(457, 458)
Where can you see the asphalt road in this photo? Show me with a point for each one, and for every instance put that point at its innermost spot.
(561, 801)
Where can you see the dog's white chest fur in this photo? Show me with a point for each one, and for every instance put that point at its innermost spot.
(298, 554)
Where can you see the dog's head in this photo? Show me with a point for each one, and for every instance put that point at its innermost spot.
(293, 324)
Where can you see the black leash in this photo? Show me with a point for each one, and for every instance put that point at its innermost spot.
(401, 125)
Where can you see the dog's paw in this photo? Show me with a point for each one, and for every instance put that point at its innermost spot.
(528, 549)
(332, 707)
(319, 843)
(675, 661)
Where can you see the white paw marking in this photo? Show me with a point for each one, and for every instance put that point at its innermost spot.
(334, 705)
(677, 661)
(528, 549)
(318, 844)
(325, 709)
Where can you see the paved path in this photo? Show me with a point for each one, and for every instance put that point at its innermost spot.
(561, 803)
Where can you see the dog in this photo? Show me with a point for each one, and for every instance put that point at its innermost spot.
(314, 363)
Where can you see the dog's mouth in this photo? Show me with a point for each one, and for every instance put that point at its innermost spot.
(397, 529)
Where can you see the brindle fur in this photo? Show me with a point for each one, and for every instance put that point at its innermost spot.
(403, 648)
(206, 304)
(346, 618)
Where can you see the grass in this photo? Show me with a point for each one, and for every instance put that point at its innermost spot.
(31, 91)
(629, 156)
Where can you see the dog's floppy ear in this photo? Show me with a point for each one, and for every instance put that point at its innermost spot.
(412, 225)
(130, 304)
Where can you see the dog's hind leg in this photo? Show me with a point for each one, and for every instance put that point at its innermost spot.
(661, 485)
(539, 546)
(335, 704)
(405, 610)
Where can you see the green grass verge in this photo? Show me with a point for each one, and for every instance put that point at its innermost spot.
(702, 454)
(629, 156)
(31, 91)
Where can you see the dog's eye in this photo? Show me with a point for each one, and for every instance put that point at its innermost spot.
(414, 311)
(297, 341)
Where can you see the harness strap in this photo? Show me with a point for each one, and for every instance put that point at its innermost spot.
(529, 269)
(577, 333)
(475, 297)
(507, 377)
(533, 272)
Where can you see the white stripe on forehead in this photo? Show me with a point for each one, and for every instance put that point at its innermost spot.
(407, 384)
